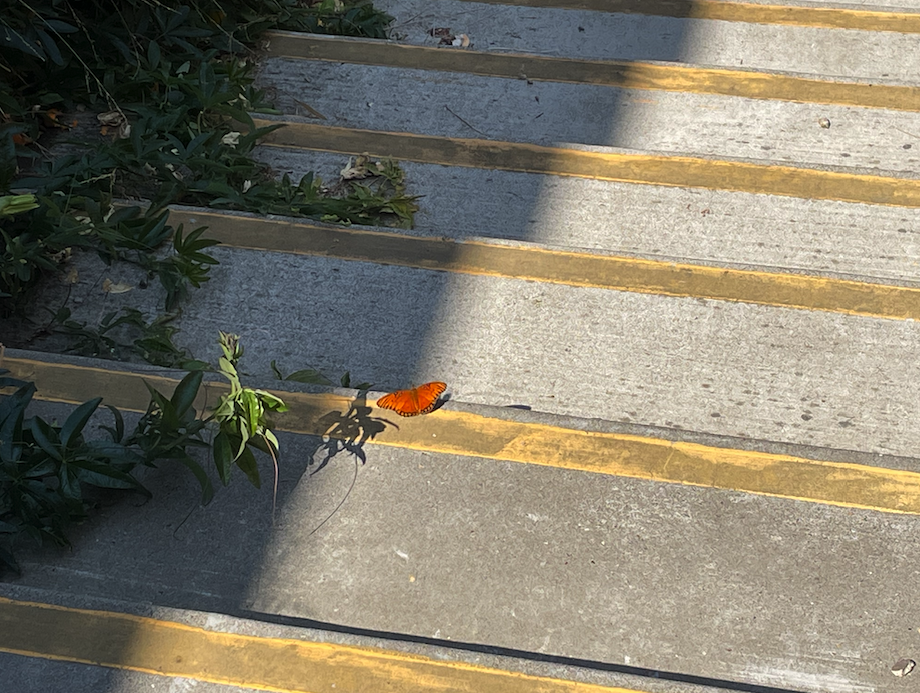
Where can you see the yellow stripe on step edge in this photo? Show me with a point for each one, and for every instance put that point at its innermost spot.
(463, 433)
(167, 648)
(611, 73)
(647, 169)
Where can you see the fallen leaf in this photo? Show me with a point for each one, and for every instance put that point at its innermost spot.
(72, 276)
(357, 169)
(111, 118)
(461, 41)
(111, 287)
(440, 32)
(903, 667)
(117, 120)
(63, 256)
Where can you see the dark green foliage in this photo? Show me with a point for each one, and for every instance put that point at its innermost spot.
(47, 470)
(172, 84)
(121, 334)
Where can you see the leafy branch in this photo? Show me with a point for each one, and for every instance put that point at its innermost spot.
(48, 471)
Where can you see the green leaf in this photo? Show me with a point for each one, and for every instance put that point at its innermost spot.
(223, 456)
(46, 437)
(153, 55)
(309, 375)
(8, 560)
(118, 433)
(70, 484)
(105, 476)
(272, 440)
(247, 462)
(207, 489)
(51, 49)
(186, 391)
(270, 401)
(73, 427)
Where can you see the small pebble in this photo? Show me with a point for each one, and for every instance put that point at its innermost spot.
(824, 122)
(903, 667)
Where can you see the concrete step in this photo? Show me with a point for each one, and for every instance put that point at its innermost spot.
(136, 647)
(574, 33)
(571, 346)
(448, 535)
(469, 106)
(700, 470)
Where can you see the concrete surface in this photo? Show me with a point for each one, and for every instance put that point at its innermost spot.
(702, 582)
(550, 31)
(699, 581)
(687, 225)
(458, 105)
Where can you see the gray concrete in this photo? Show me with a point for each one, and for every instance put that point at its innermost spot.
(800, 377)
(684, 225)
(709, 583)
(458, 105)
(25, 674)
(546, 31)
(677, 579)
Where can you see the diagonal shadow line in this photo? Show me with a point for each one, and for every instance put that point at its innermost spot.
(661, 675)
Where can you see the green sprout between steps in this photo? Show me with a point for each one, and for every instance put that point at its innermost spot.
(51, 474)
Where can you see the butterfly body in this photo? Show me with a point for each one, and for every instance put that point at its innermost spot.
(418, 400)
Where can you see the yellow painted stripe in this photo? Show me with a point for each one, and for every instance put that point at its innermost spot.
(611, 73)
(829, 17)
(137, 643)
(461, 433)
(647, 169)
(559, 267)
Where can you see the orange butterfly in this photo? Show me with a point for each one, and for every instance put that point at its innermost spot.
(418, 400)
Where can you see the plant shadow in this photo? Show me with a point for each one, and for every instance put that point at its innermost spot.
(348, 431)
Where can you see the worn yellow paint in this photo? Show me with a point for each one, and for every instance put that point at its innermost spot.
(475, 435)
(611, 73)
(167, 648)
(752, 13)
(559, 267)
(648, 169)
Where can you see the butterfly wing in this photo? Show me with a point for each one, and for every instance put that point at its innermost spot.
(419, 400)
(426, 396)
(394, 400)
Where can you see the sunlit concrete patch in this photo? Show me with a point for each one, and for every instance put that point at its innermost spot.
(864, 18)
(788, 675)
(592, 35)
